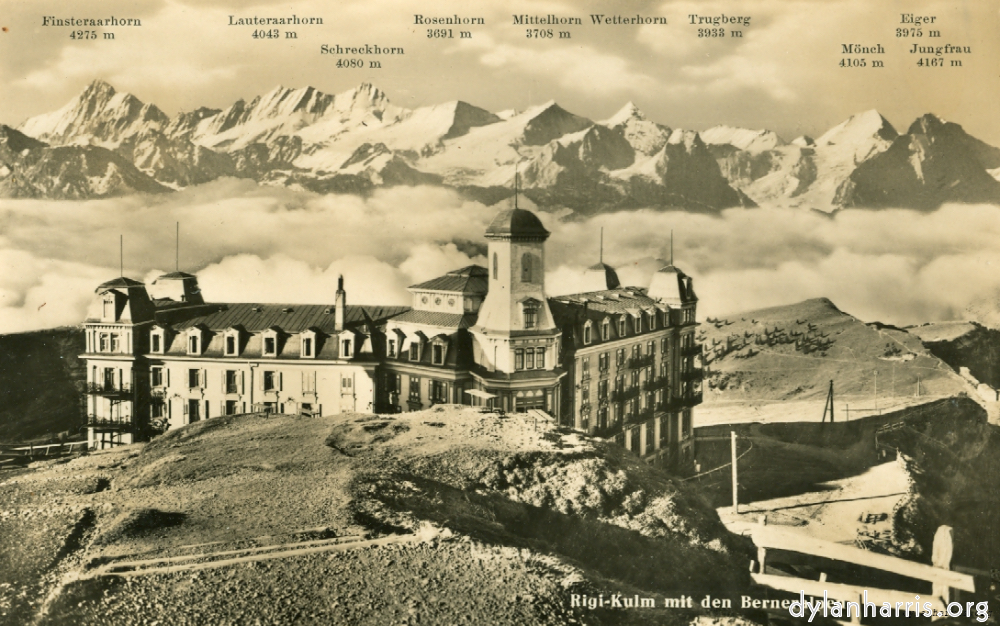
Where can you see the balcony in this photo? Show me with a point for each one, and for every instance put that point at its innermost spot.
(694, 350)
(623, 395)
(119, 392)
(119, 423)
(158, 393)
(693, 374)
(641, 416)
(608, 431)
(653, 384)
(637, 362)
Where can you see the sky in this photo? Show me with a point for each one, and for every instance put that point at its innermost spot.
(782, 74)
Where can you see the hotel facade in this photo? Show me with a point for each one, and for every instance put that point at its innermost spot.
(616, 362)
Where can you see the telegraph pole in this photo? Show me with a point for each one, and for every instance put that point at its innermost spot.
(736, 499)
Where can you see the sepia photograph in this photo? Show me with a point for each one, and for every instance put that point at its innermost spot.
(507, 312)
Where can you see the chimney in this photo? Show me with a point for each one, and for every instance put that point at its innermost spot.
(341, 304)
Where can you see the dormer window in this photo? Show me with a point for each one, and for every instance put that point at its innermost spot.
(269, 342)
(414, 351)
(638, 324)
(156, 342)
(194, 346)
(391, 348)
(437, 353)
(652, 321)
(109, 308)
(605, 330)
(308, 345)
(621, 327)
(231, 345)
(345, 349)
(587, 332)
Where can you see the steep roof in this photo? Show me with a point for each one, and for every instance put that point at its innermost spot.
(291, 318)
(119, 283)
(472, 279)
(610, 301)
(516, 223)
(435, 318)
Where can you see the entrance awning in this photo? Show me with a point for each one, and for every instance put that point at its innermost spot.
(480, 394)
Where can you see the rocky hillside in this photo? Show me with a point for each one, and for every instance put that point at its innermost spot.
(965, 344)
(355, 141)
(439, 517)
(41, 381)
(791, 353)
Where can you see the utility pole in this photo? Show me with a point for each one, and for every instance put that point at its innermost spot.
(829, 405)
(876, 391)
(736, 499)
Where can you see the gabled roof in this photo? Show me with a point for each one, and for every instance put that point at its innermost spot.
(472, 279)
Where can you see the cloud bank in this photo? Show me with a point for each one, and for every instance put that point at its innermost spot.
(261, 244)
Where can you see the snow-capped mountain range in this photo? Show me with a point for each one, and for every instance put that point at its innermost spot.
(105, 142)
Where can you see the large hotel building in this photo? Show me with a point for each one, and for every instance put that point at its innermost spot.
(616, 362)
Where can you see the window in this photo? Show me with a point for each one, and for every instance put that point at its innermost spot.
(391, 348)
(346, 383)
(270, 346)
(194, 378)
(663, 345)
(529, 359)
(307, 346)
(638, 323)
(619, 383)
(156, 377)
(666, 319)
(632, 408)
(518, 359)
(540, 358)
(414, 351)
(586, 334)
(156, 409)
(438, 355)
(602, 390)
(620, 357)
(109, 308)
(231, 381)
(109, 377)
(605, 330)
(530, 314)
(585, 394)
(686, 423)
(193, 410)
(415, 388)
(230, 407)
(193, 344)
(603, 361)
(156, 339)
(526, 268)
(636, 351)
(621, 327)
(103, 342)
(231, 345)
(652, 321)
(439, 392)
(585, 368)
(602, 417)
(345, 348)
(270, 381)
(495, 266)
(659, 397)
(114, 342)
(635, 378)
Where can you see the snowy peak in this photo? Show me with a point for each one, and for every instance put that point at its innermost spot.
(754, 141)
(551, 121)
(860, 129)
(98, 115)
(625, 114)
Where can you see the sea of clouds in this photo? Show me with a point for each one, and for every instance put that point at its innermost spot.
(265, 244)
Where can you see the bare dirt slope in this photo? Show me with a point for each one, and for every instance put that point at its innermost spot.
(776, 364)
(443, 516)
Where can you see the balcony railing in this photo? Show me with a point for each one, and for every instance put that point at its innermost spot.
(621, 395)
(608, 431)
(640, 361)
(694, 350)
(641, 416)
(119, 423)
(653, 384)
(158, 393)
(109, 391)
(693, 374)
(677, 404)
